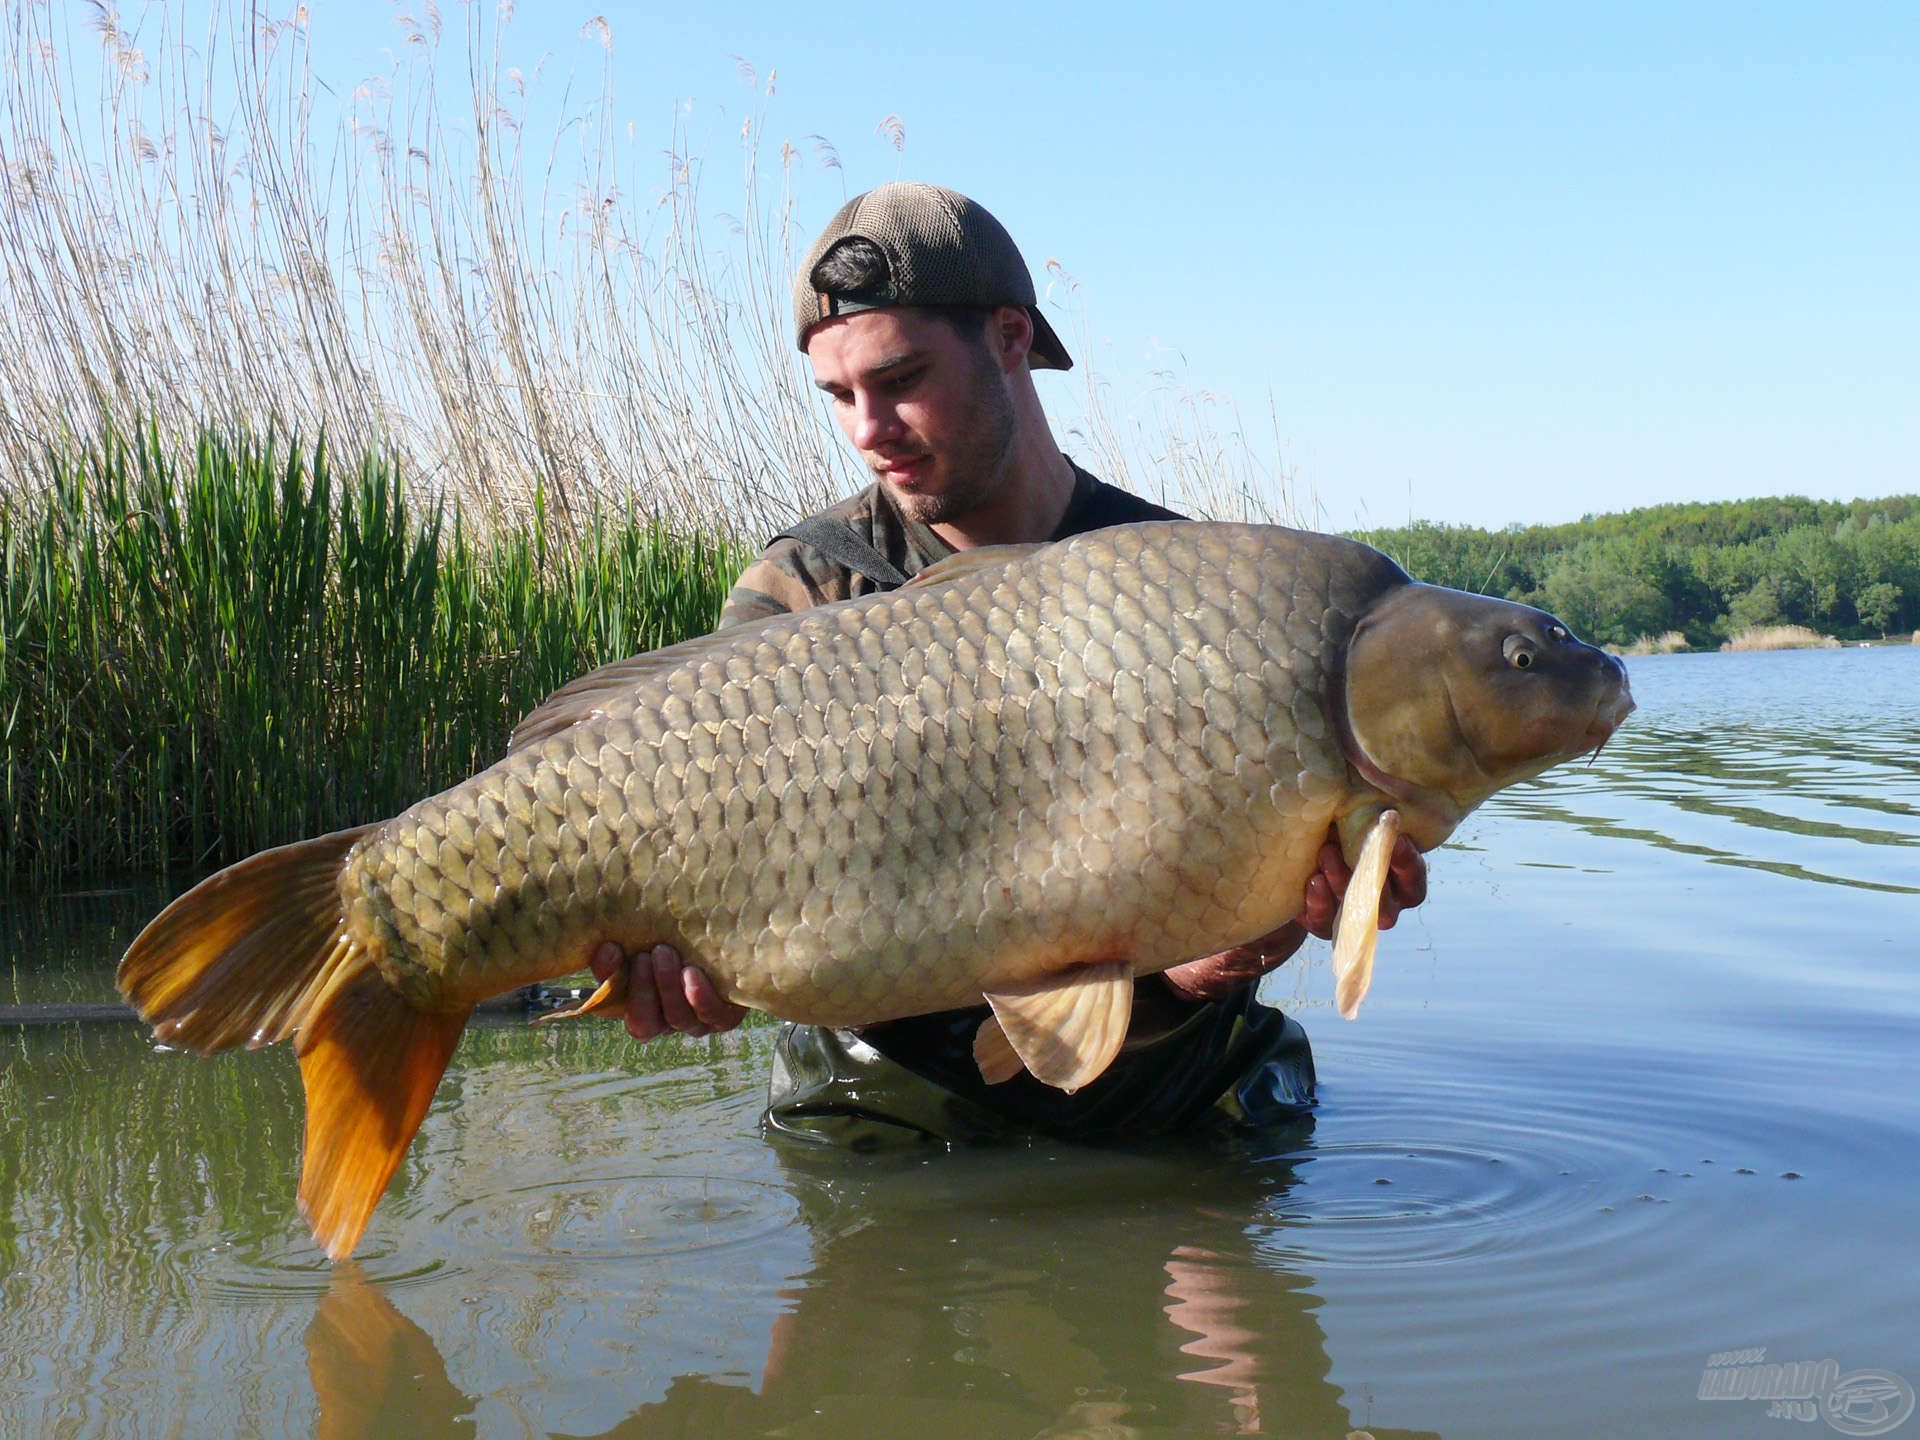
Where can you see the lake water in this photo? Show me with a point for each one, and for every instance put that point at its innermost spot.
(1637, 1088)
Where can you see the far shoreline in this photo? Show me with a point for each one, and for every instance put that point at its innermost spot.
(1822, 642)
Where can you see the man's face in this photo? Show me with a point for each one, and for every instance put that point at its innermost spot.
(929, 411)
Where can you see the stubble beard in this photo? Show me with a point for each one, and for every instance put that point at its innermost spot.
(977, 464)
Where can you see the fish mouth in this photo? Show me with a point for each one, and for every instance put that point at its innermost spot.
(1616, 707)
(1608, 716)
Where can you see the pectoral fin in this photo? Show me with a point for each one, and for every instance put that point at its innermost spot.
(1065, 1030)
(1358, 929)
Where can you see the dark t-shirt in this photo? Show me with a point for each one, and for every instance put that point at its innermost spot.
(792, 575)
(1179, 1056)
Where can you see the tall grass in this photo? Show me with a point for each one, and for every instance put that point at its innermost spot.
(507, 299)
(1668, 642)
(185, 236)
(1780, 637)
(212, 639)
(206, 654)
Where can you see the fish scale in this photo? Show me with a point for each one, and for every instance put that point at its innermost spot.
(888, 807)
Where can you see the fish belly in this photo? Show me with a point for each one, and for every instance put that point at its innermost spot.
(1116, 748)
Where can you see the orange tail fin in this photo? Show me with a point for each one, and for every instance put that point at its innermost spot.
(261, 952)
(246, 955)
(370, 1063)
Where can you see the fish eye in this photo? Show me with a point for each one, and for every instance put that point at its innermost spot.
(1519, 652)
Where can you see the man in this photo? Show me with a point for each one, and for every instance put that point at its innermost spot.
(920, 321)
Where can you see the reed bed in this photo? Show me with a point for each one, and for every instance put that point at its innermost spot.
(208, 653)
(1670, 642)
(1780, 637)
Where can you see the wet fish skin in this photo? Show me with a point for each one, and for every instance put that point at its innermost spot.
(1116, 747)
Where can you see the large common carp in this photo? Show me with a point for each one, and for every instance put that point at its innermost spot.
(1032, 775)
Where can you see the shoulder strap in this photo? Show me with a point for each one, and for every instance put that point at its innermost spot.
(836, 540)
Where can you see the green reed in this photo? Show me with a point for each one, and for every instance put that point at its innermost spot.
(205, 654)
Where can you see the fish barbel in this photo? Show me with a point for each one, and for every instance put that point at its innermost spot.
(1031, 775)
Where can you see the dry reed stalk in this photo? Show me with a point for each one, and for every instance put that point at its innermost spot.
(185, 240)
(1184, 447)
(1780, 637)
(1670, 642)
(391, 291)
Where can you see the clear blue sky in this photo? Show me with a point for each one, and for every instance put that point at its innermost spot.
(1492, 263)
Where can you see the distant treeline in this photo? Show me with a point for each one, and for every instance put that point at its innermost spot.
(1848, 568)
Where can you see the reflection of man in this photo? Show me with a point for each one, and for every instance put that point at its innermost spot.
(919, 319)
(1121, 1296)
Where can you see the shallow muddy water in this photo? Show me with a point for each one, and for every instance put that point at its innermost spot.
(1636, 1091)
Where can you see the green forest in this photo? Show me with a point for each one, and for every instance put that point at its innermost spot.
(1708, 570)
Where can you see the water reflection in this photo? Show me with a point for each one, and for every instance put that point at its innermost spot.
(525, 1276)
(1044, 1293)
(374, 1371)
(61, 947)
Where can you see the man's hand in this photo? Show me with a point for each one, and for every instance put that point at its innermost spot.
(1216, 976)
(665, 994)
(1406, 887)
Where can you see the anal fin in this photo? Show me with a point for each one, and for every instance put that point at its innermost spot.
(1357, 932)
(1065, 1030)
(609, 999)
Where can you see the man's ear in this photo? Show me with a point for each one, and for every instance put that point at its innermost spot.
(1010, 332)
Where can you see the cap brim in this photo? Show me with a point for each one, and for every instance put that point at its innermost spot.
(1047, 352)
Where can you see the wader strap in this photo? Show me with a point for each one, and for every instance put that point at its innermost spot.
(839, 544)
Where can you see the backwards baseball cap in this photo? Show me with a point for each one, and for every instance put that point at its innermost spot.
(940, 249)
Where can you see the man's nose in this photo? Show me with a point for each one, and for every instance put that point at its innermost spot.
(875, 422)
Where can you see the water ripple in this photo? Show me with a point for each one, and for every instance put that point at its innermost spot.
(1397, 1199)
(293, 1270)
(623, 1217)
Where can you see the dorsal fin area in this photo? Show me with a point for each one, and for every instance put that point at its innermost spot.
(1066, 1029)
(966, 562)
(577, 699)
